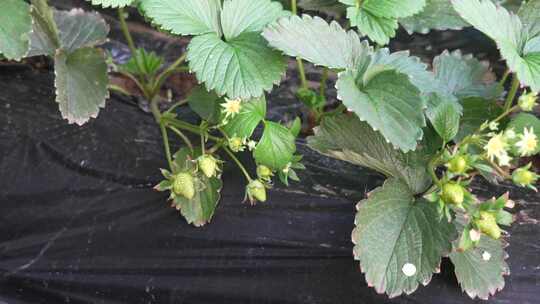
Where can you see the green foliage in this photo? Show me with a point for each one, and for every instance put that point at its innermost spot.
(379, 19)
(243, 124)
(334, 47)
(437, 15)
(518, 47)
(14, 29)
(399, 239)
(430, 131)
(478, 275)
(276, 147)
(81, 83)
(81, 71)
(347, 138)
(228, 53)
(388, 102)
(143, 63)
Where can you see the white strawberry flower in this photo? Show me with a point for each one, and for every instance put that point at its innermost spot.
(231, 107)
(496, 147)
(527, 143)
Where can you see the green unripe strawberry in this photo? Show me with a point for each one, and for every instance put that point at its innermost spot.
(457, 165)
(453, 193)
(208, 165)
(487, 223)
(256, 191)
(183, 185)
(523, 177)
(264, 172)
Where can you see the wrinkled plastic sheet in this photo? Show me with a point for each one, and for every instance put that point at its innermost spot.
(80, 223)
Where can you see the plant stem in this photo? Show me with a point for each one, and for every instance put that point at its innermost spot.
(299, 62)
(160, 79)
(512, 93)
(165, 137)
(154, 107)
(238, 163)
(302, 72)
(125, 31)
(129, 39)
(176, 105)
(500, 86)
(432, 167)
(183, 137)
(187, 127)
(322, 88)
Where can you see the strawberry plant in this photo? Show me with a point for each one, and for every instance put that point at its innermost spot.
(431, 131)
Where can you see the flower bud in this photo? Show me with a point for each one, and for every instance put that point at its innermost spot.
(236, 144)
(487, 223)
(453, 193)
(183, 185)
(524, 178)
(264, 172)
(457, 165)
(256, 191)
(208, 165)
(527, 101)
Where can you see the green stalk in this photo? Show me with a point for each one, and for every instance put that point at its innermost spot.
(165, 137)
(183, 137)
(432, 166)
(160, 79)
(322, 88)
(512, 93)
(127, 36)
(299, 62)
(238, 163)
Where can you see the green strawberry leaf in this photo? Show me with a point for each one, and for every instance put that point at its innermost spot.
(78, 29)
(463, 75)
(44, 39)
(276, 146)
(81, 84)
(242, 16)
(142, 63)
(347, 138)
(15, 28)
(477, 276)
(70, 31)
(437, 15)
(389, 8)
(476, 111)
(445, 119)
(184, 17)
(112, 3)
(242, 67)
(200, 209)
(388, 102)
(379, 19)
(521, 53)
(528, 13)
(399, 239)
(334, 47)
(378, 29)
(206, 104)
(412, 66)
(244, 123)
